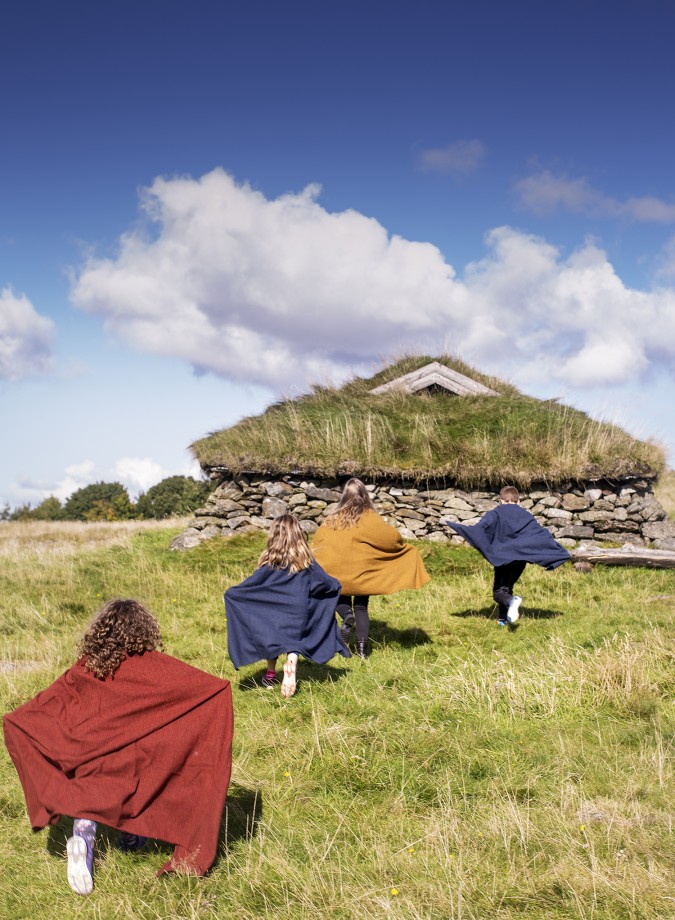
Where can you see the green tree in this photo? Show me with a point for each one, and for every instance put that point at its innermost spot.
(174, 495)
(100, 501)
(101, 510)
(22, 513)
(50, 509)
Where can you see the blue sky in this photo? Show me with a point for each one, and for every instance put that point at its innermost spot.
(204, 205)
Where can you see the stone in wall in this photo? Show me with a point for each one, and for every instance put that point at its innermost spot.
(663, 530)
(187, 540)
(572, 502)
(273, 507)
(620, 538)
(617, 513)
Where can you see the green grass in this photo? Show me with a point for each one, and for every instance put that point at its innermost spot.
(469, 441)
(665, 492)
(463, 771)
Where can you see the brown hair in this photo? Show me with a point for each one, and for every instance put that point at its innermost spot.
(509, 494)
(119, 629)
(286, 545)
(354, 502)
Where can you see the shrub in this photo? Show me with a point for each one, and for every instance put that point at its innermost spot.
(172, 496)
(50, 509)
(100, 501)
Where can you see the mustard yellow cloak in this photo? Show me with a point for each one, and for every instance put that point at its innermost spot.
(369, 558)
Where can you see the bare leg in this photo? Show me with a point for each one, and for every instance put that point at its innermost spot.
(288, 684)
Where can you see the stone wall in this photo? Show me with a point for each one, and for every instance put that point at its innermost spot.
(605, 512)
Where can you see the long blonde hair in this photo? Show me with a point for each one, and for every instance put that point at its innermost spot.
(286, 545)
(354, 502)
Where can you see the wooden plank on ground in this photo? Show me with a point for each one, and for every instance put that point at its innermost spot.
(626, 555)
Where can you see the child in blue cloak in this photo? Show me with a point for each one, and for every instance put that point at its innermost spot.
(509, 537)
(286, 607)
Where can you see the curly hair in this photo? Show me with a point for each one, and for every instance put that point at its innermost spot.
(354, 502)
(120, 628)
(286, 545)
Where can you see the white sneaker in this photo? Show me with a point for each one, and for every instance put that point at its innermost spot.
(512, 614)
(79, 866)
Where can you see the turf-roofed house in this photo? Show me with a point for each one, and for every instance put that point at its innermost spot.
(432, 439)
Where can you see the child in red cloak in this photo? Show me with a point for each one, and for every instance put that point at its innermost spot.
(132, 738)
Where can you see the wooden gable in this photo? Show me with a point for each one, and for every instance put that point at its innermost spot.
(434, 378)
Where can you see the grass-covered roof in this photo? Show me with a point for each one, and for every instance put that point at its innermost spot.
(469, 441)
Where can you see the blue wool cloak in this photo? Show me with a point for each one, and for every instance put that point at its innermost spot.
(275, 611)
(509, 533)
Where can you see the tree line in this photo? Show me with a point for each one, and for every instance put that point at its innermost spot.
(109, 501)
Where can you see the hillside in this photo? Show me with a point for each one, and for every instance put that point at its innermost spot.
(467, 441)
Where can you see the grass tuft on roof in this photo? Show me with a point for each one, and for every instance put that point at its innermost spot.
(467, 441)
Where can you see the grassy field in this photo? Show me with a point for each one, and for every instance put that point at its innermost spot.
(463, 771)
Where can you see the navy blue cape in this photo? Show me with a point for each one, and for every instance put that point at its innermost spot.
(509, 533)
(275, 611)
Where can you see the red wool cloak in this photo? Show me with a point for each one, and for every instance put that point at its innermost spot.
(148, 750)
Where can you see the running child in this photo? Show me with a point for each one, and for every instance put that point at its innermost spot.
(509, 537)
(287, 606)
(367, 555)
(129, 737)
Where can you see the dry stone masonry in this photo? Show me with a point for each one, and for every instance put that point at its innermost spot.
(600, 512)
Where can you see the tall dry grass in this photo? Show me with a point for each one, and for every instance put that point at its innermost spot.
(665, 492)
(469, 440)
(61, 537)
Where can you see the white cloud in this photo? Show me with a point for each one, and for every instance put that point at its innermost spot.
(266, 291)
(135, 473)
(281, 292)
(570, 320)
(138, 474)
(193, 470)
(458, 160)
(603, 361)
(76, 476)
(25, 338)
(545, 193)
